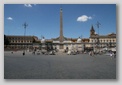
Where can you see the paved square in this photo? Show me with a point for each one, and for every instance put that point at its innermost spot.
(81, 66)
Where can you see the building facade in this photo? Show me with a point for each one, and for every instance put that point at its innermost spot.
(20, 42)
(102, 41)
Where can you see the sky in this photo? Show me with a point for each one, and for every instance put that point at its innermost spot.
(44, 19)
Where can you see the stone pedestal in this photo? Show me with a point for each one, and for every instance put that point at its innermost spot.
(61, 50)
(61, 46)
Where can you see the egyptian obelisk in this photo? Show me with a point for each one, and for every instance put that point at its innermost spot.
(61, 26)
(61, 29)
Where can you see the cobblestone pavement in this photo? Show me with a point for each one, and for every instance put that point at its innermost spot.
(81, 66)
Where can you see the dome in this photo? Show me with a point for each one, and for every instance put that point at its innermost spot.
(43, 41)
(78, 40)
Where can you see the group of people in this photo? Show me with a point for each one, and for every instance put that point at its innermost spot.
(43, 51)
(91, 53)
(73, 52)
(113, 54)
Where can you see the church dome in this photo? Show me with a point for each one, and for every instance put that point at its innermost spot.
(78, 40)
(43, 41)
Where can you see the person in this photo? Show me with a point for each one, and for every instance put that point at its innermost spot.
(69, 52)
(23, 53)
(111, 54)
(92, 53)
(67, 49)
(12, 52)
(55, 49)
(53, 53)
(33, 52)
(114, 54)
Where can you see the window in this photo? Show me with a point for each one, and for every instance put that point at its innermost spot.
(91, 40)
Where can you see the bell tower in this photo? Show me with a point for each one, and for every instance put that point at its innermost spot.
(92, 31)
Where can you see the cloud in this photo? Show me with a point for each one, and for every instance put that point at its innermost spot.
(27, 5)
(10, 18)
(84, 18)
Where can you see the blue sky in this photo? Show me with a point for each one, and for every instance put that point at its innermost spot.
(44, 19)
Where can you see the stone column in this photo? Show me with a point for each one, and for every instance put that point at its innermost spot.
(61, 29)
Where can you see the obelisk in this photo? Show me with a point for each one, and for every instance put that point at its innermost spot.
(61, 26)
(61, 29)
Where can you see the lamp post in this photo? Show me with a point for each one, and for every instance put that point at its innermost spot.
(82, 43)
(98, 43)
(25, 25)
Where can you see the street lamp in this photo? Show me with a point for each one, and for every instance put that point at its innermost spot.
(25, 25)
(98, 25)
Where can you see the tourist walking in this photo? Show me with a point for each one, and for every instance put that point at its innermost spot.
(111, 55)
